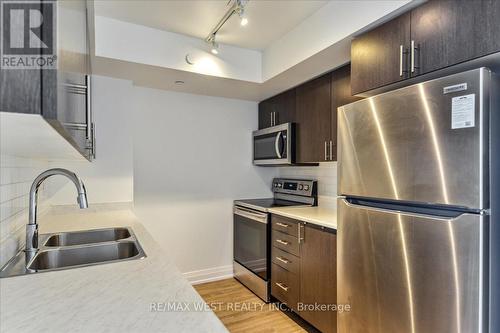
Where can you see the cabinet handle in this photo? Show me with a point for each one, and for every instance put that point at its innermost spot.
(300, 236)
(326, 151)
(331, 150)
(282, 242)
(412, 56)
(282, 260)
(298, 233)
(400, 60)
(284, 225)
(271, 115)
(282, 286)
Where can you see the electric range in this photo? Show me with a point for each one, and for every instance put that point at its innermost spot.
(252, 231)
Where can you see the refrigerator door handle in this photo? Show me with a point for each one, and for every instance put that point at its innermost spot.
(458, 214)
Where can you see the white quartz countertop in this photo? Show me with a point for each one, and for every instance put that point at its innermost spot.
(114, 297)
(325, 216)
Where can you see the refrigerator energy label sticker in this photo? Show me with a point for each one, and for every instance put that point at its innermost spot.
(462, 111)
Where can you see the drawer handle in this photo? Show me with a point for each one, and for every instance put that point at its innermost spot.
(282, 242)
(283, 260)
(282, 286)
(284, 225)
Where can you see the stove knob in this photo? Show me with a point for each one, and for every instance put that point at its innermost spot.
(301, 187)
(275, 184)
(280, 185)
(306, 187)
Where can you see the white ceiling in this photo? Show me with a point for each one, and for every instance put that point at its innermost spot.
(268, 19)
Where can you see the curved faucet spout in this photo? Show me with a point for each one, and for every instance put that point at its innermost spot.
(32, 227)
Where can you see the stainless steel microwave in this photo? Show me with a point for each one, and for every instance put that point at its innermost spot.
(274, 145)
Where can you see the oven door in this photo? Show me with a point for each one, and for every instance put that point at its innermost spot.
(273, 145)
(251, 242)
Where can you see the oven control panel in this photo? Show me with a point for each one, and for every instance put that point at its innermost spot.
(295, 186)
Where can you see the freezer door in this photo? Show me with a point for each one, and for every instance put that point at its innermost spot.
(408, 273)
(424, 143)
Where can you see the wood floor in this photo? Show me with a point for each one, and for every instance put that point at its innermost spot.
(241, 311)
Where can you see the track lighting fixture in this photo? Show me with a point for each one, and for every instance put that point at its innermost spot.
(236, 7)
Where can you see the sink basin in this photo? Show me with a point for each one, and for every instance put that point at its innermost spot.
(85, 255)
(65, 250)
(87, 237)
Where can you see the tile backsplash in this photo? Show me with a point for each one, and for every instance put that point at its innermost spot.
(16, 176)
(325, 174)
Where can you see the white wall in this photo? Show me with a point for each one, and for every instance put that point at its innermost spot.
(329, 25)
(192, 158)
(109, 178)
(140, 44)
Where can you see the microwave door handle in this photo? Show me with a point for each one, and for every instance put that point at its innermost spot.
(277, 145)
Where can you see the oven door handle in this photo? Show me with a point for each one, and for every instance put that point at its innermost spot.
(250, 214)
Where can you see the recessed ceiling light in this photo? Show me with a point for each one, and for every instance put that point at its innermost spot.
(179, 82)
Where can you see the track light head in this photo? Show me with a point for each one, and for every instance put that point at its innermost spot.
(214, 47)
(243, 18)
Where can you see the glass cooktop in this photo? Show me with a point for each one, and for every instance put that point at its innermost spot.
(264, 204)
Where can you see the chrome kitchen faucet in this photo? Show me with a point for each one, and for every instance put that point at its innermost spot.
(32, 226)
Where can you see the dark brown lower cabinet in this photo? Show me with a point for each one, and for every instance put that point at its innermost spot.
(303, 271)
(318, 278)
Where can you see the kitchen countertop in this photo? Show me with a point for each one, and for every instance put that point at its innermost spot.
(114, 297)
(325, 216)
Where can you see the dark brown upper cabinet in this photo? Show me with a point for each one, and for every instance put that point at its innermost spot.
(312, 106)
(277, 110)
(313, 120)
(433, 36)
(61, 96)
(340, 95)
(378, 57)
(451, 32)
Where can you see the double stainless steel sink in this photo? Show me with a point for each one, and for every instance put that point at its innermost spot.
(77, 249)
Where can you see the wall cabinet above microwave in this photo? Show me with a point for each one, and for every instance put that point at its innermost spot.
(277, 110)
(312, 107)
(61, 96)
(433, 36)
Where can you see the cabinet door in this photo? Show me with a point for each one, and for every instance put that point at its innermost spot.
(375, 55)
(318, 276)
(20, 90)
(65, 100)
(285, 107)
(277, 110)
(450, 32)
(313, 120)
(341, 95)
(265, 114)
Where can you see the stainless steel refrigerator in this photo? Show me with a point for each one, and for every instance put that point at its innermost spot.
(418, 228)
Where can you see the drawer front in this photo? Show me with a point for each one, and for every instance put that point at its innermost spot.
(285, 286)
(285, 242)
(285, 260)
(285, 225)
